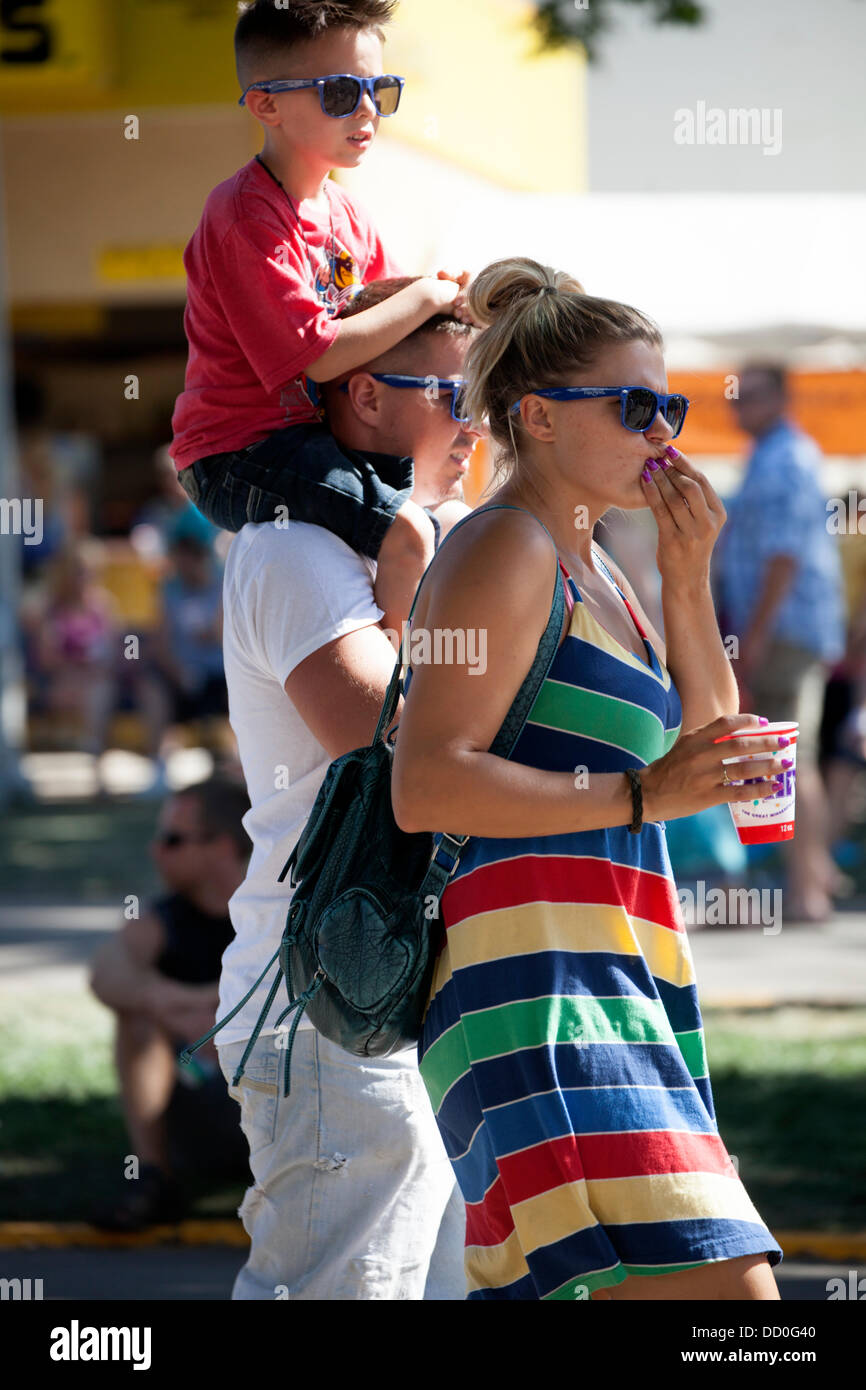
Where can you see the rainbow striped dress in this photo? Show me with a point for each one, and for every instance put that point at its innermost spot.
(563, 1047)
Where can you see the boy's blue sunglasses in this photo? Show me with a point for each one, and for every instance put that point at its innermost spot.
(640, 405)
(342, 93)
(454, 387)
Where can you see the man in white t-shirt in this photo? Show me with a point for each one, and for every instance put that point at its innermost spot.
(353, 1195)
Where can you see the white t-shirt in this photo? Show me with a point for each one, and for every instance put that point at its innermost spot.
(287, 592)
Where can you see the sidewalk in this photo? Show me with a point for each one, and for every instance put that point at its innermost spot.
(740, 967)
(737, 967)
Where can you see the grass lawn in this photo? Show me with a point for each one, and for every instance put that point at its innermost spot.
(62, 1137)
(789, 1084)
(790, 1093)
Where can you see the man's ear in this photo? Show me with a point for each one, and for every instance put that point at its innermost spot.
(365, 395)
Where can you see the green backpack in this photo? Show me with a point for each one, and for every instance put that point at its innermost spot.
(361, 937)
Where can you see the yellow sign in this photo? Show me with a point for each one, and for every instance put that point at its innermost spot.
(53, 51)
(67, 55)
(120, 264)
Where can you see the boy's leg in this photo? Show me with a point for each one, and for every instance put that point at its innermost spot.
(351, 1181)
(302, 474)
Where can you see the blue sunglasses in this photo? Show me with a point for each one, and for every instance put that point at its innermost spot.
(456, 389)
(342, 93)
(640, 405)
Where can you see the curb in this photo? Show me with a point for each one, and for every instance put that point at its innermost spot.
(757, 1003)
(833, 1247)
(78, 1234)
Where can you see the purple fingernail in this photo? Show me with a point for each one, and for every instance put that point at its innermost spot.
(652, 464)
(647, 476)
(783, 742)
(663, 463)
(671, 452)
(762, 720)
(787, 762)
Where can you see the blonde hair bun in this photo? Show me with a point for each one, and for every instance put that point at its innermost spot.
(506, 286)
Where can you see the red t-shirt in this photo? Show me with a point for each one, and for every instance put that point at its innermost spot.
(261, 300)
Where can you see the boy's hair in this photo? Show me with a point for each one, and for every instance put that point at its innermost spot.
(266, 33)
(377, 292)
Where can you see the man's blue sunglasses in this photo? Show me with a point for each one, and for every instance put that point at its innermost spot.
(342, 93)
(640, 405)
(454, 387)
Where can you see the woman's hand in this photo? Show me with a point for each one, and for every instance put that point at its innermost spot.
(689, 514)
(690, 777)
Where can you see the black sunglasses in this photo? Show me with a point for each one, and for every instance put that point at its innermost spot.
(173, 839)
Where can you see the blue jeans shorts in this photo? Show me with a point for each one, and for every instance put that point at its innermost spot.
(353, 1196)
(301, 473)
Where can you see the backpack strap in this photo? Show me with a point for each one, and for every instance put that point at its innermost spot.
(392, 697)
(448, 848)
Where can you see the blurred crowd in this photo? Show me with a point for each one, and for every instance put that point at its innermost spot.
(122, 637)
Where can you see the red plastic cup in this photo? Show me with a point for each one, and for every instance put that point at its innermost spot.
(767, 819)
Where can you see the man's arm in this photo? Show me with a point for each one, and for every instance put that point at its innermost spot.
(124, 978)
(778, 578)
(448, 514)
(339, 690)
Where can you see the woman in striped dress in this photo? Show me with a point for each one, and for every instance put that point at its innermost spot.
(563, 1048)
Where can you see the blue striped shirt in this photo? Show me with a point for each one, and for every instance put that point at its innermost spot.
(781, 510)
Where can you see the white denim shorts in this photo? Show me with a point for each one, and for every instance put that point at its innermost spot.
(353, 1196)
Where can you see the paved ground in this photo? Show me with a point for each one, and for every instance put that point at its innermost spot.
(207, 1273)
(44, 947)
(802, 964)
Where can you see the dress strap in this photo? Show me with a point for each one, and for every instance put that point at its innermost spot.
(621, 594)
(566, 584)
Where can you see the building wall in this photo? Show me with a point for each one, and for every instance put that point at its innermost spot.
(801, 58)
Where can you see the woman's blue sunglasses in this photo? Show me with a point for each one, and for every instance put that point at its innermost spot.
(640, 405)
(342, 93)
(455, 388)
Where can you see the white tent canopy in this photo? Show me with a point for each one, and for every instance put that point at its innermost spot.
(780, 273)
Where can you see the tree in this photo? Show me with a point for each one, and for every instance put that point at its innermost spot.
(563, 22)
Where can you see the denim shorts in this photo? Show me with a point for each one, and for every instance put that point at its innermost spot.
(353, 1195)
(301, 473)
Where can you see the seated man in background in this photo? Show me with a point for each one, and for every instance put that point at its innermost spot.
(159, 976)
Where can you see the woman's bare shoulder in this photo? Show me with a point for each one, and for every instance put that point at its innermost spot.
(496, 554)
